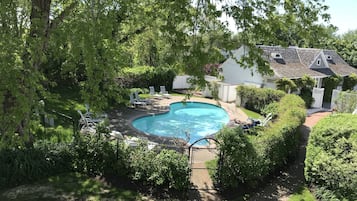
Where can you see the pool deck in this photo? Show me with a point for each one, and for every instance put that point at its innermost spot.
(120, 119)
(203, 188)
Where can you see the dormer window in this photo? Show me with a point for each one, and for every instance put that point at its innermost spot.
(328, 57)
(276, 55)
(318, 62)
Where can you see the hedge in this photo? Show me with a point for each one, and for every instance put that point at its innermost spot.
(331, 157)
(257, 98)
(95, 156)
(145, 76)
(249, 159)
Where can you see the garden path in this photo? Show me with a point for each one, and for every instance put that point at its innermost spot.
(292, 178)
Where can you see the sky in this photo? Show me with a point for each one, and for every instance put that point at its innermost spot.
(343, 14)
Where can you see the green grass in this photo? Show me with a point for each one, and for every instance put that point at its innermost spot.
(303, 194)
(72, 186)
(251, 114)
(64, 101)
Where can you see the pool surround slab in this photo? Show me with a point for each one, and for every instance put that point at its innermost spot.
(121, 119)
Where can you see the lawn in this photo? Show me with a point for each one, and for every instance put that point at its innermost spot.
(303, 194)
(251, 114)
(72, 186)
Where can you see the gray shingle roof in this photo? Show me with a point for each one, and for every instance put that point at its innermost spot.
(295, 62)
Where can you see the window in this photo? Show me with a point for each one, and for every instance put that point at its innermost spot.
(318, 62)
(328, 57)
(276, 55)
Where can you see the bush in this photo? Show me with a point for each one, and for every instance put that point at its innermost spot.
(349, 82)
(18, 166)
(145, 76)
(331, 157)
(89, 155)
(346, 102)
(167, 169)
(257, 98)
(271, 108)
(95, 156)
(248, 158)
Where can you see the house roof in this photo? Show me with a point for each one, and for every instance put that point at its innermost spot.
(296, 62)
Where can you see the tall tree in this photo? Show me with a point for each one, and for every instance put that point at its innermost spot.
(262, 22)
(90, 34)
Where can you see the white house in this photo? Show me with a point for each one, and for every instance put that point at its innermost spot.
(289, 62)
(286, 62)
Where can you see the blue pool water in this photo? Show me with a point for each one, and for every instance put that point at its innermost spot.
(195, 118)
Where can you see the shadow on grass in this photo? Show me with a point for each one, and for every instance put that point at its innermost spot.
(71, 186)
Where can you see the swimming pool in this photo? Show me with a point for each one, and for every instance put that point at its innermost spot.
(191, 119)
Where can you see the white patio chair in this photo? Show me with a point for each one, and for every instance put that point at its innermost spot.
(135, 102)
(137, 98)
(163, 92)
(153, 93)
(87, 124)
(265, 121)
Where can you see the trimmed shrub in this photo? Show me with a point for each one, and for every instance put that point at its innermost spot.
(145, 76)
(331, 157)
(95, 156)
(346, 102)
(257, 98)
(166, 169)
(250, 158)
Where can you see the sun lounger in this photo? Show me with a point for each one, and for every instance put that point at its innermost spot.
(135, 102)
(137, 98)
(153, 93)
(163, 92)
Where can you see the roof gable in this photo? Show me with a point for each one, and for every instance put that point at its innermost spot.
(319, 61)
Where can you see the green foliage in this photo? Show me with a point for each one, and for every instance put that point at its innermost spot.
(306, 84)
(330, 84)
(345, 46)
(346, 102)
(349, 82)
(286, 85)
(256, 98)
(69, 186)
(18, 166)
(303, 194)
(331, 167)
(306, 95)
(249, 159)
(212, 166)
(271, 108)
(167, 168)
(145, 76)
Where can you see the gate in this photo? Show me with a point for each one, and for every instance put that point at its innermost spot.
(318, 95)
(198, 156)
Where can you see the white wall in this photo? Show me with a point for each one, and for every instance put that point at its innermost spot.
(234, 74)
(226, 92)
(180, 82)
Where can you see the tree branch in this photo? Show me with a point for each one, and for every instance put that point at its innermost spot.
(128, 36)
(55, 22)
